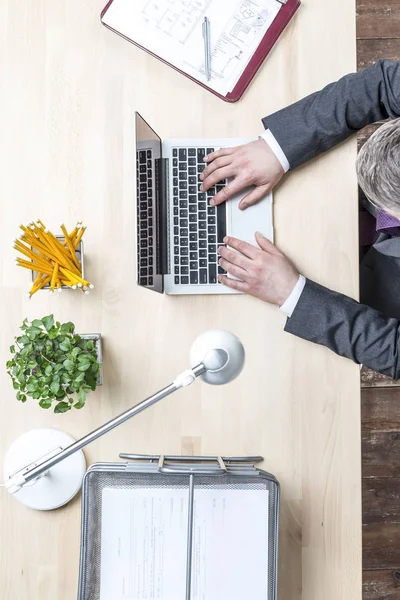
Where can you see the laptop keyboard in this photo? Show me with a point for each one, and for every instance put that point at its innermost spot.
(198, 228)
(144, 178)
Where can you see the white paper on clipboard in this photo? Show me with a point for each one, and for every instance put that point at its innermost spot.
(144, 544)
(172, 29)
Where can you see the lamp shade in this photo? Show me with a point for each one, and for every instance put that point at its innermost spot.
(221, 352)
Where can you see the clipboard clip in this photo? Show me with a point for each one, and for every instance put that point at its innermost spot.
(196, 465)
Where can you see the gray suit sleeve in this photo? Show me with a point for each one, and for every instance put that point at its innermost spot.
(323, 119)
(348, 328)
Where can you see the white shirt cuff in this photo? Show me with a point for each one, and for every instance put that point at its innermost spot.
(290, 304)
(272, 142)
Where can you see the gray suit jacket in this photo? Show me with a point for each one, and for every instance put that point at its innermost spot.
(304, 130)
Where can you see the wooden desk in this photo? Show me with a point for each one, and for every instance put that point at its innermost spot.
(68, 91)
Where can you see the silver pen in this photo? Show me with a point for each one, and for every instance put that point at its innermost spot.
(207, 48)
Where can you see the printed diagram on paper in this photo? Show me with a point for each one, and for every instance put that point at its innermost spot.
(176, 19)
(172, 30)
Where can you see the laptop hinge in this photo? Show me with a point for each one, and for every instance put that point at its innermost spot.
(163, 233)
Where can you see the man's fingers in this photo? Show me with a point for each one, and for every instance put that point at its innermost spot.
(221, 152)
(265, 244)
(242, 286)
(254, 196)
(243, 247)
(217, 176)
(234, 257)
(233, 269)
(216, 164)
(234, 187)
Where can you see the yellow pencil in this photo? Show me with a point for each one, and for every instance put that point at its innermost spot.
(79, 236)
(34, 267)
(70, 246)
(60, 252)
(54, 277)
(29, 253)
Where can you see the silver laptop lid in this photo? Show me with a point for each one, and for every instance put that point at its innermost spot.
(150, 222)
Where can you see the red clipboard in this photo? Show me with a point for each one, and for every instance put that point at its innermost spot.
(274, 31)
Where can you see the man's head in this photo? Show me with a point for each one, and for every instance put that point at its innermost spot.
(378, 168)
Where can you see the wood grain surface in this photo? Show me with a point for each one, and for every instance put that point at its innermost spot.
(68, 92)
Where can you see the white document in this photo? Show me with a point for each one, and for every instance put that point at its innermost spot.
(172, 29)
(144, 544)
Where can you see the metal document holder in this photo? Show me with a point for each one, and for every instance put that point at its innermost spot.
(180, 472)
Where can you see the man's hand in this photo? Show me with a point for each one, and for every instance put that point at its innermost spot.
(265, 273)
(251, 164)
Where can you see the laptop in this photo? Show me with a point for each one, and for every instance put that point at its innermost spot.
(178, 232)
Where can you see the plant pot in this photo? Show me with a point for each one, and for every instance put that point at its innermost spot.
(96, 337)
(79, 255)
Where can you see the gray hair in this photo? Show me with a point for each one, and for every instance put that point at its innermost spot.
(378, 167)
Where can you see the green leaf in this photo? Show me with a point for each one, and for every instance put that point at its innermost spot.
(66, 346)
(84, 358)
(32, 387)
(12, 349)
(48, 322)
(48, 370)
(80, 378)
(37, 323)
(67, 328)
(45, 403)
(33, 332)
(81, 399)
(84, 367)
(90, 345)
(62, 407)
(21, 397)
(55, 386)
(75, 352)
(21, 377)
(68, 364)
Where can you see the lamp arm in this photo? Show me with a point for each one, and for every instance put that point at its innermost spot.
(27, 474)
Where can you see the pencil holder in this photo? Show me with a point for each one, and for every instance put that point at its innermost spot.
(79, 255)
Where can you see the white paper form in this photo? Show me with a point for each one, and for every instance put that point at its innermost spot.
(172, 29)
(230, 545)
(143, 544)
(144, 537)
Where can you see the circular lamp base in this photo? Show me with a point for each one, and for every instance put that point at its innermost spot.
(218, 339)
(61, 483)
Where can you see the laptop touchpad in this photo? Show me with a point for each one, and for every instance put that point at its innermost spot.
(244, 223)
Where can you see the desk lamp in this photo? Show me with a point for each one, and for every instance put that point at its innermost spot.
(44, 468)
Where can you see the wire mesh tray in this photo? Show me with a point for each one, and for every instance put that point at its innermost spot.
(185, 476)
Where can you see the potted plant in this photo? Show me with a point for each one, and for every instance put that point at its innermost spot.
(54, 365)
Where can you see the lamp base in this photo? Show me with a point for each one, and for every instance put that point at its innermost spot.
(60, 484)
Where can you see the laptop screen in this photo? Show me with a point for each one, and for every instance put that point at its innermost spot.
(148, 165)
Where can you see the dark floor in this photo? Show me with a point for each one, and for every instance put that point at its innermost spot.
(378, 36)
